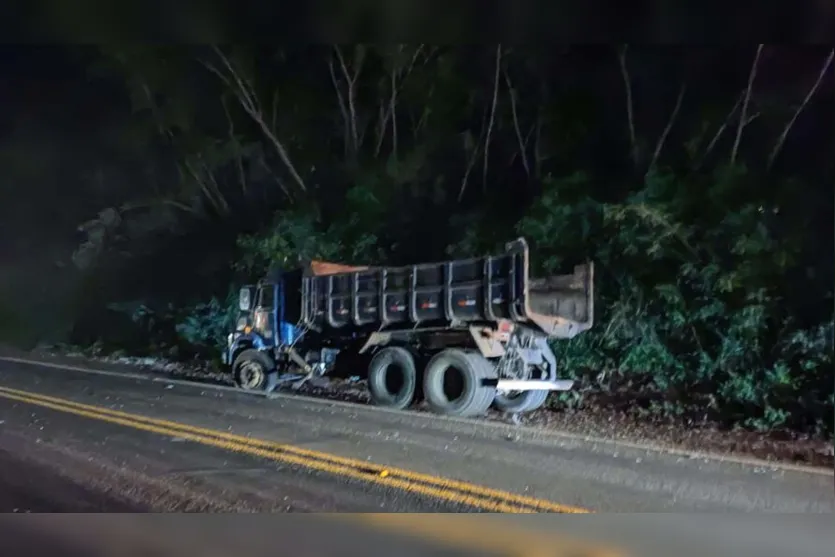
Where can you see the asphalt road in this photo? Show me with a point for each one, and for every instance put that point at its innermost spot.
(77, 441)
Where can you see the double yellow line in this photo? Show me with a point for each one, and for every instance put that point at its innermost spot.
(462, 531)
(452, 491)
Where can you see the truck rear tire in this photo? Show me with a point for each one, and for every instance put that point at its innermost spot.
(251, 370)
(526, 401)
(392, 378)
(453, 383)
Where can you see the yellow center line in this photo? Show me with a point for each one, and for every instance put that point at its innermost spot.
(479, 496)
(456, 530)
(343, 471)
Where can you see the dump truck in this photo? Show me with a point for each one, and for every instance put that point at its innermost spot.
(461, 335)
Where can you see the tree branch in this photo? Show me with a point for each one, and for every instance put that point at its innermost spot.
(778, 146)
(386, 109)
(721, 130)
(161, 127)
(537, 144)
(393, 112)
(342, 107)
(661, 140)
(742, 119)
(352, 81)
(492, 113)
(276, 178)
(179, 205)
(522, 142)
(232, 137)
(382, 126)
(274, 111)
(213, 181)
(470, 166)
(245, 93)
(630, 116)
(471, 162)
(395, 90)
(216, 201)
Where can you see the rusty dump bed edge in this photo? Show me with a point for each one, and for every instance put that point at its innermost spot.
(323, 268)
(451, 293)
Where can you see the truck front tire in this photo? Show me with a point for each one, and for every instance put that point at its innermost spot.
(251, 370)
(453, 383)
(392, 378)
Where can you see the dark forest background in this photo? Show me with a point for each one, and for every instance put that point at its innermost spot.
(140, 185)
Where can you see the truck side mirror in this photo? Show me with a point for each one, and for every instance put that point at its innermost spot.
(244, 299)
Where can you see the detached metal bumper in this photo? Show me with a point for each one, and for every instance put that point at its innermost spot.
(533, 385)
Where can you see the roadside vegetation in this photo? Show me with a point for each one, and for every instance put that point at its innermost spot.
(699, 180)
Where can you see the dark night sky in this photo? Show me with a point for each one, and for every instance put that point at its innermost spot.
(40, 77)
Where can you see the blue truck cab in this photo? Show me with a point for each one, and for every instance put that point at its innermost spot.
(261, 327)
(267, 345)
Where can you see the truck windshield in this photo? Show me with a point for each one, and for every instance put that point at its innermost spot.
(266, 297)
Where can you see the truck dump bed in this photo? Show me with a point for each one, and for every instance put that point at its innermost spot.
(448, 294)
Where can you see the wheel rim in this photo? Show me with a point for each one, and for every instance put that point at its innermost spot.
(251, 375)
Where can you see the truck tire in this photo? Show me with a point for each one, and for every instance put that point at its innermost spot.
(251, 370)
(392, 378)
(464, 394)
(526, 401)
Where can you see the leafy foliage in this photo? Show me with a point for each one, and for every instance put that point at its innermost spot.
(205, 325)
(693, 322)
(696, 204)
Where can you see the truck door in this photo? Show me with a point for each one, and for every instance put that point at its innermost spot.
(264, 314)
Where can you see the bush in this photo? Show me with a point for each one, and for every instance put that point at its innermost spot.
(204, 326)
(294, 238)
(693, 321)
